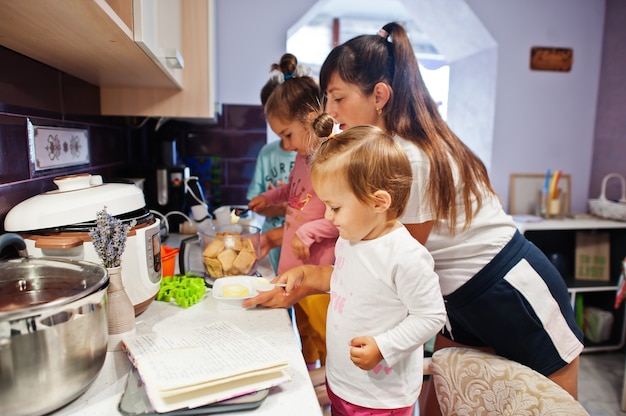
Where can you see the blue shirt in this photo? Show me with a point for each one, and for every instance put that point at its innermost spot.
(273, 166)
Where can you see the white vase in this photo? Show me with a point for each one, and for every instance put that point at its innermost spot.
(120, 310)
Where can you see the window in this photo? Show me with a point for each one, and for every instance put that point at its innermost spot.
(312, 42)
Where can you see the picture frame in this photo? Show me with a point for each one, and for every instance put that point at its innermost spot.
(551, 59)
(525, 190)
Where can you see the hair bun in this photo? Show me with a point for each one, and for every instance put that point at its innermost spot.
(323, 125)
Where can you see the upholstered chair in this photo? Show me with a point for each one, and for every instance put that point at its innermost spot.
(470, 382)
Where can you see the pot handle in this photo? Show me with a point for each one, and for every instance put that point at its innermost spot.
(183, 254)
(13, 240)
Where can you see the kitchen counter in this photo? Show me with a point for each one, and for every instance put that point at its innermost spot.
(272, 325)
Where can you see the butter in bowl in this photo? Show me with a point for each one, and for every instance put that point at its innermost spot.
(231, 291)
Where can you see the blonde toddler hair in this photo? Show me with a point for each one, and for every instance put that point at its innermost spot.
(368, 159)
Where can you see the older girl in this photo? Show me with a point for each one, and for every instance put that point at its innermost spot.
(306, 237)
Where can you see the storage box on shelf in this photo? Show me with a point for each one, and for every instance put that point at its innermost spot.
(557, 238)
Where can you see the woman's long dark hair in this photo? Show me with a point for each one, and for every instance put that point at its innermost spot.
(412, 114)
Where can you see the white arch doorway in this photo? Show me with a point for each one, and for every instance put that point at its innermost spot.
(462, 42)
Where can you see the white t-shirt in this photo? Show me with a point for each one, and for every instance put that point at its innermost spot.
(457, 258)
(385, 288)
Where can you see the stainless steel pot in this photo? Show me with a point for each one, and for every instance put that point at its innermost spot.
(53, 330)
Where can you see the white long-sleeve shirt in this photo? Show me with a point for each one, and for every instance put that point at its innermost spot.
(385, 288)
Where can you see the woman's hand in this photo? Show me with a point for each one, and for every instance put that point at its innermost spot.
(364, 352)
(280, 297)
(300, 250)
(300, 281)
(275, 298)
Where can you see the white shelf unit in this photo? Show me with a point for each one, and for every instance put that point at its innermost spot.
(558, 236)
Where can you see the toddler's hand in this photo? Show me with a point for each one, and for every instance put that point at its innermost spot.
(300, 250)
(364, 352)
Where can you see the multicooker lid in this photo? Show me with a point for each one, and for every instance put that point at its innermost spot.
(77, 200)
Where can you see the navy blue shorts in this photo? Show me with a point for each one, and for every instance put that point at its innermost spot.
(518, 304)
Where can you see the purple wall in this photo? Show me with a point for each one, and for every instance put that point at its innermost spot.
(609, 147)
(118, 145)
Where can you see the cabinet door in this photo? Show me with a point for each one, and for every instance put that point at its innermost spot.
(195, 99)
(91, 40)
(157, 28)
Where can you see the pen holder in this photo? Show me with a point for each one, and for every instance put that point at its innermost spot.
(552, 207)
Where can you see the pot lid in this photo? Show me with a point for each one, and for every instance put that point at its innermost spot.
(30, 285)
(77, 200)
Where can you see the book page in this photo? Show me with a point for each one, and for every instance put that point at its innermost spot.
(210, 353)
(211, 394)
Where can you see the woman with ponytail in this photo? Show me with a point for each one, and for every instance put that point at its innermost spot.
(502, 294)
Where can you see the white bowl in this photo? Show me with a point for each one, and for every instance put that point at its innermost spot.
(233, 302)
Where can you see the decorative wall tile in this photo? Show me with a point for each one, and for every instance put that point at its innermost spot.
(234, 195)
(57, 147)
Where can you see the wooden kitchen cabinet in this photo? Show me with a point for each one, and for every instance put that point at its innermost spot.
(94, 40)
(558, 237)
(196, 97)
(157, 30)
(84, 38)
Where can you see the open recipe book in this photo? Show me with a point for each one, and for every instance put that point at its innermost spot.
(203, 365)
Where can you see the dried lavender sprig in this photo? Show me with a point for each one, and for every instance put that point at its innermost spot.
(109, 238)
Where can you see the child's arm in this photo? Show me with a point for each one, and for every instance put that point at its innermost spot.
(276, 196)
(310, 233)
(274, 210)
(258, 203)
(315, 231)
(417, 286)
(300, 250)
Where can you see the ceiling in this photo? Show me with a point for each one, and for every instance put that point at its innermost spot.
(357, 17)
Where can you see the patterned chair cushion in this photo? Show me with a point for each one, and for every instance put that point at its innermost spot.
(470, 382)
